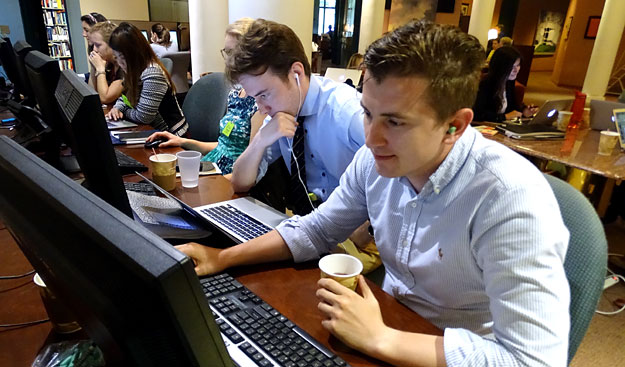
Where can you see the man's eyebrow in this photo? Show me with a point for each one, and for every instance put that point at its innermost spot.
(261, 92)
(397, 115)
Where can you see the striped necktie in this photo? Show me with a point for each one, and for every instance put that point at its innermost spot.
(298, 199)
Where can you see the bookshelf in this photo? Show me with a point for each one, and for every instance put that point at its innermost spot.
(57, 32)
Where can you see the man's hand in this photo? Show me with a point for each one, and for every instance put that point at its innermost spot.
(281, 125)
(513, 114)
(356, 320)
(361, 236)
(530, 110)
(171, 139)
(115, 114)
(206, 259)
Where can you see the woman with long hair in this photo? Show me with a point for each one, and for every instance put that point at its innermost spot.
(149, 94)
(496, 98)
(88, 21)
(106, 76)
(161, 41)
(238, 126)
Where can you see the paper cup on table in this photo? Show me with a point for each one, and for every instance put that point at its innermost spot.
(607, 142)
(164, 170)
(563, 120)
(189, 164)
(61, 318)
(342, 268)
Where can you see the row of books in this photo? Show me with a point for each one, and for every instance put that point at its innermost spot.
(58, 33)
(59, 50)
(52, 18)
(66, 64)
(56, 4)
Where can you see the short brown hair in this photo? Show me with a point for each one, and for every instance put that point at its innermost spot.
(239, 27)
(266, 45)
(447, 57)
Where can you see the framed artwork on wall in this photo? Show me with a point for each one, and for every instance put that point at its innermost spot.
(464, 9)
(592, 27)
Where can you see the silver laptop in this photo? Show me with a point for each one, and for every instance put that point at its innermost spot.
(548, 113)
(119, 124)
(601, 116)
(240, 219)
(341, 75)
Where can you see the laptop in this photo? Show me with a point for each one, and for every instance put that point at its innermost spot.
(619, 118)
(240, 219)
(119, 124)
(548, 113)
(601, 114)
(341, 75)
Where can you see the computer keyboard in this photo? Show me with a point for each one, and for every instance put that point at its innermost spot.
(236, 221)
(140, 187)
(263, 335)
(128, 165)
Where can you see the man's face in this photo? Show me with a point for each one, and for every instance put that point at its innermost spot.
(401, 129)
(495, 44)
(273, 94)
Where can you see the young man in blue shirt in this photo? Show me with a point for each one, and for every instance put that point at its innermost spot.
(469, 232)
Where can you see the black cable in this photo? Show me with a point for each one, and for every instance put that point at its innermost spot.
(29, 323)
(4, 277)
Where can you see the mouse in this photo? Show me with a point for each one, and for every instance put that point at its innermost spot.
(154, 143)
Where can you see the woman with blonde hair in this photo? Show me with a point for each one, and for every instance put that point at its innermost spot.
(106, 76)
(240, 123)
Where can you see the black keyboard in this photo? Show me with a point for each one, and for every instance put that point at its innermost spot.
(128, 165)
(236, 221)
(260, 331)
(140, 187)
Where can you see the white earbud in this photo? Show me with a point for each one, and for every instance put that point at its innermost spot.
(296, 79)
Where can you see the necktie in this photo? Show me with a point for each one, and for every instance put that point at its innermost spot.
(298, 193)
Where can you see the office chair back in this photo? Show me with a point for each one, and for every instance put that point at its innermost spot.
(586, 257)
(168, 64)
(205, 105)
(181, 61)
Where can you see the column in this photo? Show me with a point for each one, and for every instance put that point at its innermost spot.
(605, 48)
(207, 22)
(481, 19)
(371, 23)
(298, 15)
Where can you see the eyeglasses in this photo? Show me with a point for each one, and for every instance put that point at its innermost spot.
(225, 53)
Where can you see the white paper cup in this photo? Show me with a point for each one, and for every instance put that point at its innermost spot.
(607, 142)
(341, 267)
(189, 164)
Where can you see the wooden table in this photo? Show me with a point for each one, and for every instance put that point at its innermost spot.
(294, 297)
(577, 150)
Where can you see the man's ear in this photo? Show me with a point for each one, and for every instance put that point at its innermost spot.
(457, 125)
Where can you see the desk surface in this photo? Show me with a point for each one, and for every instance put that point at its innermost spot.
(20, 302)
(578, 150)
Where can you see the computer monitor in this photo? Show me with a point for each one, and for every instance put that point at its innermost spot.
(7, 57)
(81, 112)
(135, 296)
(145, 34)
(21, 49)
(173, 37)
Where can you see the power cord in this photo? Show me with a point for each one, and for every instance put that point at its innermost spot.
(5, 277)
(29, 323)
(608, 313)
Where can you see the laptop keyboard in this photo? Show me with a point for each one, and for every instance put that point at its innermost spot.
(128, 165)
(140, 187)
(236, 221)
(252, 326)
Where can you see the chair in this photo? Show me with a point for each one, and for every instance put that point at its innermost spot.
(181, 61)
(168, 64)
(586, 257)
(205, 105)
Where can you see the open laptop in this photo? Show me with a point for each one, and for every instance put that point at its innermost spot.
(240, 219)
(548, 113)
(341, 75)
(601, 114)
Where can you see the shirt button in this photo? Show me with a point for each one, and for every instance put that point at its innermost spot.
(405, 243)
(414, 205)
(323, 191)
(306, 131)
(312, 156)
(437, 190)
(323, 174)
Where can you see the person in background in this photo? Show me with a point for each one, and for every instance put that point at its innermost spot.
(497, 43)
(106, 76)
(469, 231)
(149, 94)
(496, 98)
(237, 127)
(88, 21)
(161, 42)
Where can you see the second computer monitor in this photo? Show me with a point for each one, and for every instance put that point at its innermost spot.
(82, 115)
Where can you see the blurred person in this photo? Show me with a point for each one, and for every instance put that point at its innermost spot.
(106, 77)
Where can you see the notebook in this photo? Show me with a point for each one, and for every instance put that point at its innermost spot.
(341, 75)
(119, 124)
(516, 131)
(601, 114)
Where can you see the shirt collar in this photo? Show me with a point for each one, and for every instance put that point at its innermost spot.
(308, 107)
(452, 163)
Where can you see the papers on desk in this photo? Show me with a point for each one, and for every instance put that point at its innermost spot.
(486, 130)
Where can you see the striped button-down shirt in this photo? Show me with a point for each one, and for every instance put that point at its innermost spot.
(479, 251)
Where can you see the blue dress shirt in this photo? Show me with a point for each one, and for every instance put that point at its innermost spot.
(479, 251)
(334, 132)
